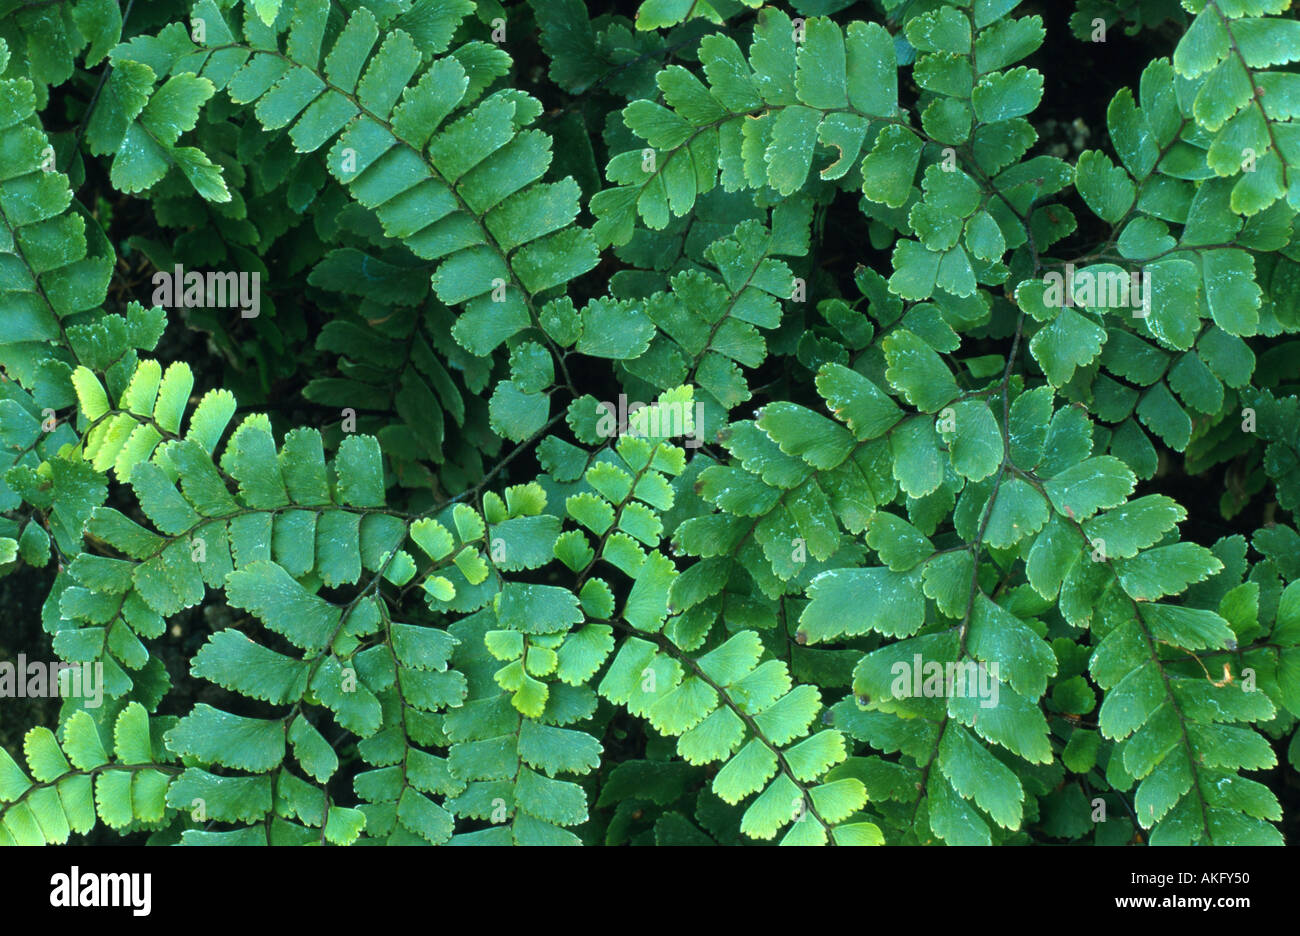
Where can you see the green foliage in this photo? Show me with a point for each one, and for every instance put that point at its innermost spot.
(827, 468)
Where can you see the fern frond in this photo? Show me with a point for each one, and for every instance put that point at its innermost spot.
(57, 265)
(464, 193)
(444, 576)
(112, 770)
(756, 123)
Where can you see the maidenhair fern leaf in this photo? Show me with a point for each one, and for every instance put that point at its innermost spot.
(816, 476)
